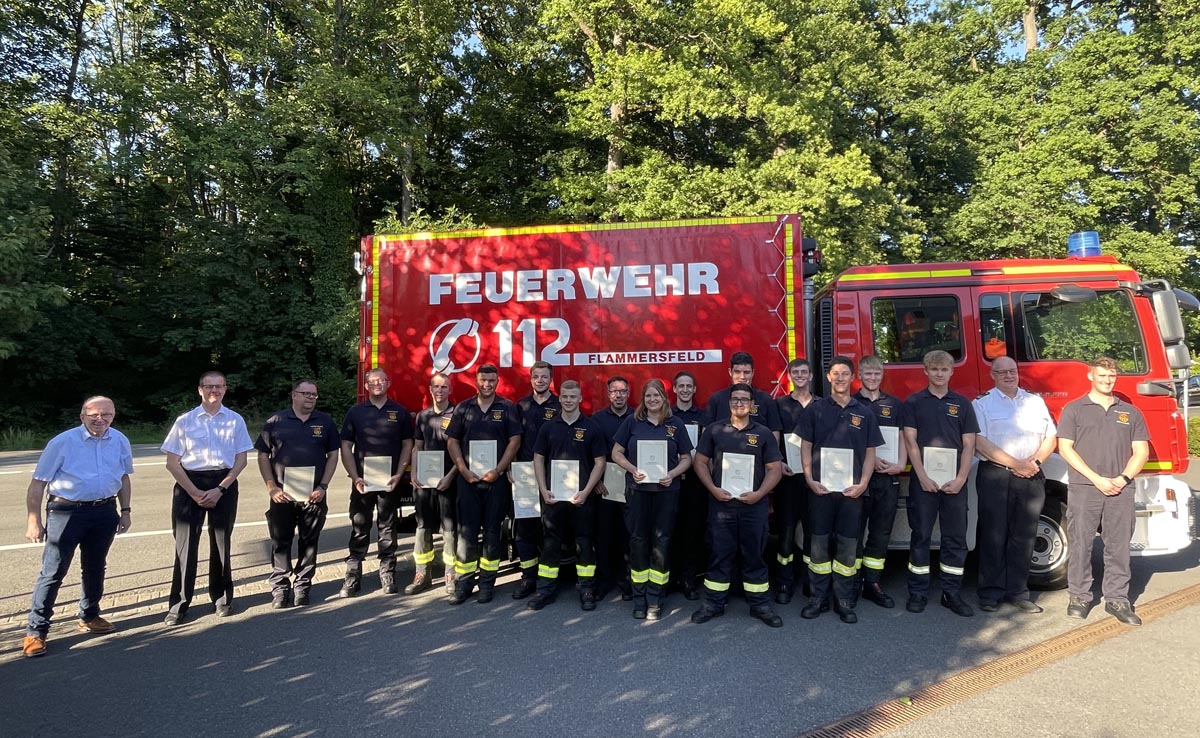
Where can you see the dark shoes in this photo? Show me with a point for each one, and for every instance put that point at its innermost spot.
(1023, 605)
(1078, 608)
(845, 611)
(814, 608)
(955, 604)
(100, 625)
(224, 611)
(485, 595)
(587, 600)
(173, 619)
(538, 601)
(767, 615)
(639, 612)
(989, 605)
(387, 583)
(459, 596)
(626, 593)
(706, 613)
(1123, 612)
(783, 595)
(281, 599)
(524, 588)
(654, 612)
(691, 592)
(873, 591)
(302, 599)
(916, 603)
(350, 587)
(422, 582)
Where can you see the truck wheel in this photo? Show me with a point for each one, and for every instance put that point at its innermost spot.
(1049, 567)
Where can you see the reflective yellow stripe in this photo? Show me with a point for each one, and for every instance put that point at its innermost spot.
(956, 570)
(639, 577)
(843, 570)
(1073, 269)
(448, 557)
(917, 569)
(716, 586)
(549, 572)
(659, 577)
(919, 274)
(825, 568)
(785, 560)
(423, 559)
(876, 564)
(489, 565)
(1158, 466)
(585, 571)
(789, 283)
(805, 559)
(376, 243)
(755, 588)
(858, 563)
(529, 563)
(463, 568)
(536, 230)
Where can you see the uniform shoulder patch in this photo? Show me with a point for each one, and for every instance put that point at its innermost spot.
(985, 394)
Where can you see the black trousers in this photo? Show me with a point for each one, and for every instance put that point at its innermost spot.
(568, 527)
(481, 508)
(187, 522)
(612, 546)
(650, 518)
(365, 508)
(1009, 507)
(1088, 509)
(791, 504)
(739, 531)
(836, 521)
(527, 538)
(925, 509)
(878, 518)
(284, 521)
(436, 510)
(689, 543)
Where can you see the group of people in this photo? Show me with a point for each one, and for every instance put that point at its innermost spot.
(642, 498)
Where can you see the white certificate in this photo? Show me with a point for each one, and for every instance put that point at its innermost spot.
(941, 464)
(377, 470)
(298, 482)
(482, 457)
(837, 469)
(431, 467)
(737, 474)
(652, 460)
(614, 482)
(792, 444)
(693, 433)
(526, 500)
(890, 450)
(564, 479)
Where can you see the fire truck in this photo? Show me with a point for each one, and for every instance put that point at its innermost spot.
(641, 300)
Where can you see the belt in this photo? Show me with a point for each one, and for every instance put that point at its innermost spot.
(82, 503)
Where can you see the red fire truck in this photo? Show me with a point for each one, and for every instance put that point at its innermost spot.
(649, 299)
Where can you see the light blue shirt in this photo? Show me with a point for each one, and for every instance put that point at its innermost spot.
(206, 442)
(82, 468)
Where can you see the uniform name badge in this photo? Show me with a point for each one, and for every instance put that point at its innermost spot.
(890, 450)
(299, 481)
(737, 474)
(431, 467)
(837, 469)
(652, 460)
(377, 470)
(941, 464)
(482, 457)
(526, 500)
(614, 482)
(693, 431)
(792, 445)
(564, 479)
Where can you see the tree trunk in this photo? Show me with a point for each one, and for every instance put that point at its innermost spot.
(62, 175)
(616, 115)
(1029, 25)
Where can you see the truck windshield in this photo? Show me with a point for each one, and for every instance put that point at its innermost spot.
(1080, 331)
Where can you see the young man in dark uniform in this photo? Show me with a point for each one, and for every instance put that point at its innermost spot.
(883, 494)
(536, 409)
(689, 552)
(376, 427)
(791, 496)
(493, 423)
(437, 504)
(763, 410)
(838, 423)
(300, 437)
(938, 418)
(572, 437)
(738, 524)
(612, 537)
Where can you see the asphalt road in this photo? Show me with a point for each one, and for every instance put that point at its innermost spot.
(379, 665)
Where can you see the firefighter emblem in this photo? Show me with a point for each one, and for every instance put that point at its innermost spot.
(856, 420)
(885, 411)
(318, 431)
(497, 415)
(752, 439)
(670, 431)
(1123, 418)
(579, 434)
(549, 413)
(393, 416)
(952, 410)
(445, 423)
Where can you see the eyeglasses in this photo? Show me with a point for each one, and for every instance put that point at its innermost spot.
(377, 382)
(740, 401)
(309, 395)
(100, 416)
(618, 392)
(212, 386)
(1004, 372)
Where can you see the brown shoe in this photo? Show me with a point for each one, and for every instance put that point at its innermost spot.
(420, 583)
(97, 625)
(33, 646)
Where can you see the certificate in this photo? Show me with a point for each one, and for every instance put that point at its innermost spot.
(890, 450)
(737, 474)
(837, 468)
(652, 460)
(564, 479)
(526, 500)
(482, 457)
(614, 482)
(431, 467)
(298, 482)
(377, 470)
(792, 444)
(694, 434)
(941, 464)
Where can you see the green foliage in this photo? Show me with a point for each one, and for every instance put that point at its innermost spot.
(1194, 436)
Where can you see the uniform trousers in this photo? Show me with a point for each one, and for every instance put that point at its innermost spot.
(689, 546)
(527, 538)
(568, 528)
(612, 547)
(187, 520)
(650, 517)
(836, 521)
(1009, 507)
(436, 510)
(70, 526)
(738, 531)
(879, 515)
(1087, 509)
(481, 508)
(925, 509)
(284, 521)
(383, 507)
(791, 503)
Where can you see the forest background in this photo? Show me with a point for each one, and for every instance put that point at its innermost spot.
(183, 183)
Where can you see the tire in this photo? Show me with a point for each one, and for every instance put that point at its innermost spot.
(1049, 567)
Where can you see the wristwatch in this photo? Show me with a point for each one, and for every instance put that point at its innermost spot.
(223, 488)
(1127, 479)
(323, 486)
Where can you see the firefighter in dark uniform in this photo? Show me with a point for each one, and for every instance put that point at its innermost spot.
(738, 525)
(536, 408)
(791, 496)
(437, 506)
(489, 421)
(689, 553)
(568, 436)
(938, 418)
(651, 503)
(376, 427)
(883, 494)
(836, 423)
(763, 410)
(300, 437)
(612, 537)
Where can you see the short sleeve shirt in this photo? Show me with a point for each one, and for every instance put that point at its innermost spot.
(764, 410)
(377, 431)
(291, 442)
(207, 442)
(829, 425)
(672, 430)
(580, 441)
(78, 467)
(1103, 438)
(499, 423)
(755, 440)
(1016, 424)
(940, 422)
(431, 432)
(533, 417)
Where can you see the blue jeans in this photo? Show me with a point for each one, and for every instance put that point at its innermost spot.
(89, 528)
